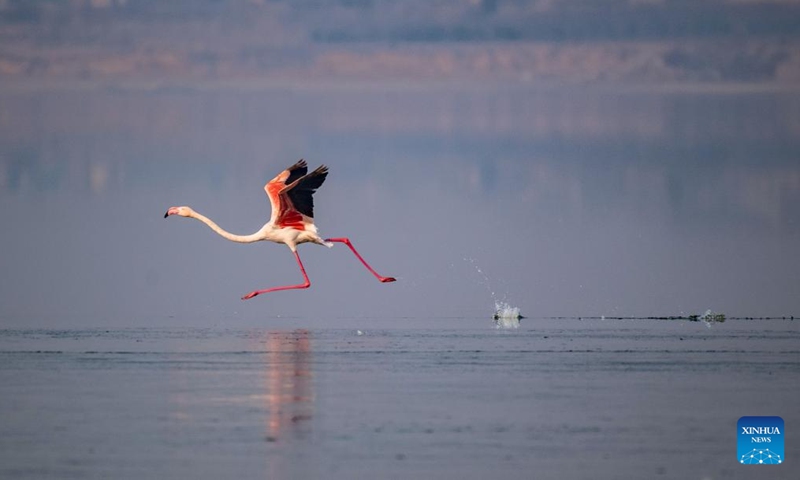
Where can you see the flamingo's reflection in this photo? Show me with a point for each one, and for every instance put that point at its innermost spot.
(289, 384)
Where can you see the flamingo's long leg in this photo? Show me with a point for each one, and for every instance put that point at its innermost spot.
(306, 284)
(347, 242)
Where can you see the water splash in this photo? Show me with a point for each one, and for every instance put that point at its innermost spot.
(504, 310)
(506, 316)
(484, 280)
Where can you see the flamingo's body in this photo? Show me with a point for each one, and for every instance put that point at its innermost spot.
(292, 221)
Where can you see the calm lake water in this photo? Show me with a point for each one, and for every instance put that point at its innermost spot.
(425, 398)
(126, 352)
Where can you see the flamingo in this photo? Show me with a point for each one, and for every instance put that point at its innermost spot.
(292, 221)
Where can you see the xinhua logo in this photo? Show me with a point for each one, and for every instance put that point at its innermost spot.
(760, 440)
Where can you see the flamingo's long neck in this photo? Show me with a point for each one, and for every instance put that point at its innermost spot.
(253, 237)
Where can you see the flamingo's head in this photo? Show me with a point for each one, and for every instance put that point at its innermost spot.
(182, 211)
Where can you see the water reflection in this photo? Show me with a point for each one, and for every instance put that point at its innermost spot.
(262, 399)
(289, 402)
(288, 376)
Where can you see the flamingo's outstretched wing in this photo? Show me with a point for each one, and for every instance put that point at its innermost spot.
(301, 191)
(274, 186)
(291, 194)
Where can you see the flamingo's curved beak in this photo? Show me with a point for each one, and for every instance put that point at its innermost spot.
(171, 211)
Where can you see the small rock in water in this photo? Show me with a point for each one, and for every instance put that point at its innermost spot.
(710, 316)
(359, 333)
(506, 322)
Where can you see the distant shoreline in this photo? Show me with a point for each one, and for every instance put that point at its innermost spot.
(185, 86)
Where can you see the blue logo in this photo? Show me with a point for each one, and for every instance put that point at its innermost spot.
(760, 440)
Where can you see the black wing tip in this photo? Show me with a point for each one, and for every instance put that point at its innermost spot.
(302, 164)
(296, 171)
(321, 171)
(314, 180)
(302, 194)
(299, 164)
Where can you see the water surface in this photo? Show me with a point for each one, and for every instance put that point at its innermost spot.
(426, 398)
